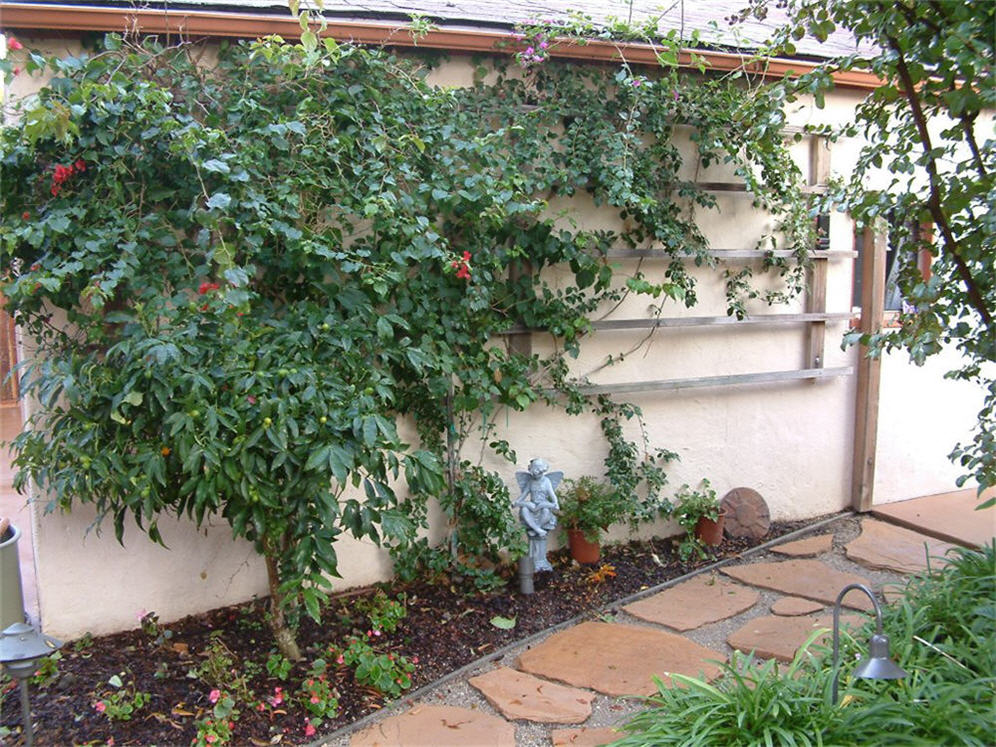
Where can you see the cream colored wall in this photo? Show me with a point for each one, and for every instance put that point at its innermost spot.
(921, 418)
(790, 441)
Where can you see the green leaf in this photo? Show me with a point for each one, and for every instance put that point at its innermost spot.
(503, 623)
(219, 201)
(216, 166)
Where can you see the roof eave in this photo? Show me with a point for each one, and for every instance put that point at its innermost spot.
(195, 23)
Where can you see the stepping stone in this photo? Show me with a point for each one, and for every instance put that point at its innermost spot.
(522, 696)
(893, 548)
(585, 737)
(774, 637)
(696, 602)
(618, 659)
(440, 726)
(807, 578)
(794, 606)
(950, 516)
(747, 514)
(806, 548)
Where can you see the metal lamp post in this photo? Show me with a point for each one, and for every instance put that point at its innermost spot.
(878, 665)
(21, 646)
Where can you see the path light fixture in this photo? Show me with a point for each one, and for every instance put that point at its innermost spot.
(878, 665)
(21, 646)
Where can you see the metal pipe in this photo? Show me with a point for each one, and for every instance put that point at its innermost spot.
(526, 571)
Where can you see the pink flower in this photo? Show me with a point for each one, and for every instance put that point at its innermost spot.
(529, 51)
(214, 695)
(100, 706)
(637, 82)
(252, 400)
(14, 45)
(210, 738)
(339, 660)
(414, 660)
(309, 730)
(315, 699)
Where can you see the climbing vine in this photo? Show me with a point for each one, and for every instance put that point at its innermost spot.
(241, 277)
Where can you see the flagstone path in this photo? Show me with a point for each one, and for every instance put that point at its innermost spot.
(569, 688)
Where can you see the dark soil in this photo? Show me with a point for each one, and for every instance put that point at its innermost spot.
(443, 630)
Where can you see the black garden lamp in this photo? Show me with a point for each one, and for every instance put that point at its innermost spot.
(878, 665)
(21, 646)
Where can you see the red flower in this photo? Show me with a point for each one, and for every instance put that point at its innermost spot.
(462, 266)
(25, 215)
(206, 286)
(14, 45)
(80, 165)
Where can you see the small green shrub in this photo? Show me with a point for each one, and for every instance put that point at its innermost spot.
(693, 505)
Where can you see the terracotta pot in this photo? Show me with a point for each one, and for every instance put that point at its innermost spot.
(709, 531)
(582, 550)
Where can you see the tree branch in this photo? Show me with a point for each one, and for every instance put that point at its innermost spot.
(935, 201)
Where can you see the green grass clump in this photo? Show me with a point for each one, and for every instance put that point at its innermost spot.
(942, 634)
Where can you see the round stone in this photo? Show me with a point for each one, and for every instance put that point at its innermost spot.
(747, 513)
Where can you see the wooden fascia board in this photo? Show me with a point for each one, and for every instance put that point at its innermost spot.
(204, 23)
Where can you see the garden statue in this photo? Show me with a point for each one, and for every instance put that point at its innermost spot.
(538, 507)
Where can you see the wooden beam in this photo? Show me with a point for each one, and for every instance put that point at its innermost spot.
(724, 254)
(193, 22)
(819, 161)
(764, 377)
(605, 325)
(869, 372)
(816, 305)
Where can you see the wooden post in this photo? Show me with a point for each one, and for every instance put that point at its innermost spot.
(816, 298)
(816, 302)
(869, 371)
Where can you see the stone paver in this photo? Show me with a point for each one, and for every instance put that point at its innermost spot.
(747, 514)
(802, 577)
(521, 696)
(617, 659)
(701, 600)
(794, 606)
(585, 737)
(894, 548)
(949, 516)
(437, 726)
(780, 637)
(806, 548)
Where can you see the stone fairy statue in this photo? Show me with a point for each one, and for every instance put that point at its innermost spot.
(538, 507)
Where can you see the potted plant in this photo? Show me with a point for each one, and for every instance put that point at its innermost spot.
(587, 507)
(698, 512)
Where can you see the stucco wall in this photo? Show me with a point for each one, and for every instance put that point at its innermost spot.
(790, 441)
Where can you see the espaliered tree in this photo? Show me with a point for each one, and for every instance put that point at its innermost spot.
(239, 277)
(929, 129)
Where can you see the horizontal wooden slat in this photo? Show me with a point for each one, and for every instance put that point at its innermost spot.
(765, 377)
(727, 254)
(705, 321)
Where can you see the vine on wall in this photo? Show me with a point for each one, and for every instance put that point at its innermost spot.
(267, 262)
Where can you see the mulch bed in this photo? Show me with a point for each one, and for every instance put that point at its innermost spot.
(444, 629)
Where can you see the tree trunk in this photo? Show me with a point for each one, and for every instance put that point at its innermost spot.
(283, 635)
